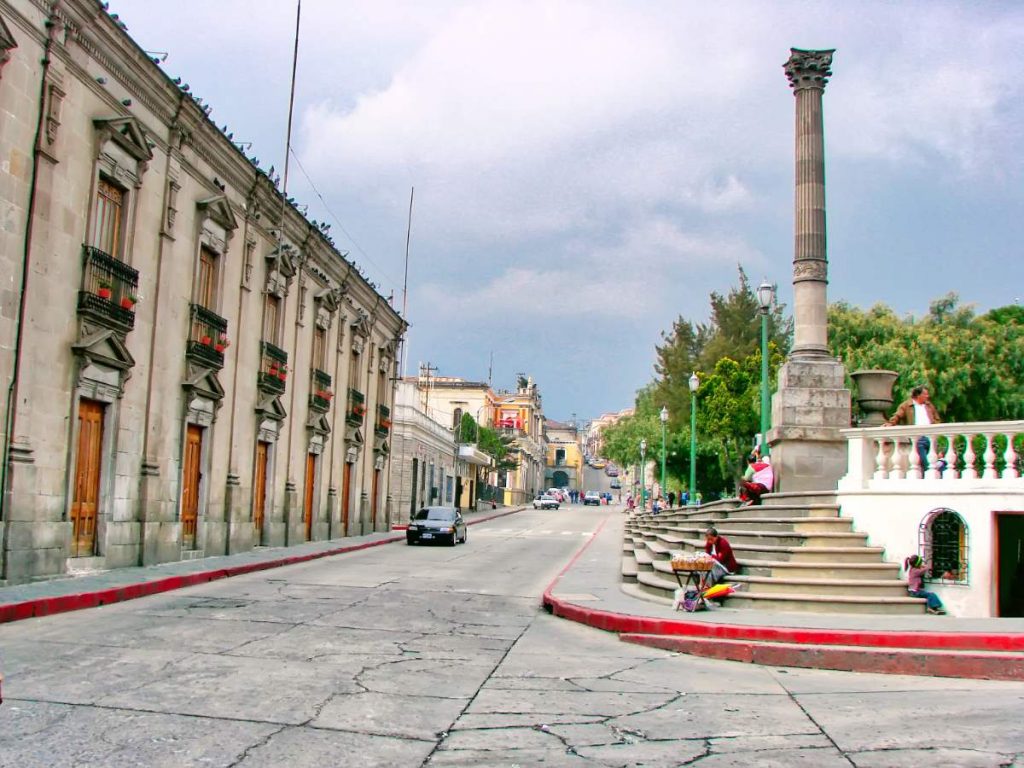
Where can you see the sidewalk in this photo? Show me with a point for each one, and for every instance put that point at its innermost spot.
(43, 598)
(590, 590)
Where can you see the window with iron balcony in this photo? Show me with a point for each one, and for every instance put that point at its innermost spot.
(208, 337)
(321, 393)
(383, 426)
(356, 407)
(273, 375)
(109, 290)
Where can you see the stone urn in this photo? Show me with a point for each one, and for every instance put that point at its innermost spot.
(874, 395)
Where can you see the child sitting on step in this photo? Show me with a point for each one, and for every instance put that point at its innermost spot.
(916, 569)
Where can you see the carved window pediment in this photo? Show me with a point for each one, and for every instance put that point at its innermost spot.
(318, 424)
(7, 43)
(219, 209)
(361, 326)
(104, 347)
(127, 133)
(270, 407)
(285, 258)
(202, 380)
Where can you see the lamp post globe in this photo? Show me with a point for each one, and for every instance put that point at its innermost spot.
(765, 296)
(694, 383)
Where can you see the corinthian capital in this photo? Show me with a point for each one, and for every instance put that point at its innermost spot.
(808, 69)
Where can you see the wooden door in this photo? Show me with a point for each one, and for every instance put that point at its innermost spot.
(191, 479)
(307, 509)
(85, 502)
(259, 491)
(346, 493)
(373, 500)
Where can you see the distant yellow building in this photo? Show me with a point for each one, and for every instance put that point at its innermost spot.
(564, 461)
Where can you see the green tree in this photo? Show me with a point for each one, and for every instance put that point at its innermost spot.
(973, 365)
(490, 441)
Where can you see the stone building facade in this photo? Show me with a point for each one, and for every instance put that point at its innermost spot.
(425, 461)
(190, 366)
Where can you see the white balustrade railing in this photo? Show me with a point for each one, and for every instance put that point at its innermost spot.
(991, 451)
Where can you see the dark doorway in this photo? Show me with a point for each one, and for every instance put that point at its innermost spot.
(412, 492)
(1010, 563)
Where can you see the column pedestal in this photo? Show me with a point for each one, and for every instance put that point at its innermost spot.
(808, 410)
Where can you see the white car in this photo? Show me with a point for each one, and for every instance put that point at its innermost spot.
(545, 501)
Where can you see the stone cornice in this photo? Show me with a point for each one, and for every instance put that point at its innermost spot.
(808, 69)
(102, 38)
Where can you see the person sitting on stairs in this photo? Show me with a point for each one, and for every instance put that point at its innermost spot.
(916, 570)
(721, 552)
(757, 480)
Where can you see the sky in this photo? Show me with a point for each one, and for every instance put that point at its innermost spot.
(586, 172)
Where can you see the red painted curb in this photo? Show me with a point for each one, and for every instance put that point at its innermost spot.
(47, 606)
(647, 625)
(902, 661)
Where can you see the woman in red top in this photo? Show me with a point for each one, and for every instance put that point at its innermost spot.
(721, 551)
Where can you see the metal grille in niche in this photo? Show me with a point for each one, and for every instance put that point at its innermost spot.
(942, 541)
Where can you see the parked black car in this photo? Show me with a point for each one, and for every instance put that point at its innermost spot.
(436, 524)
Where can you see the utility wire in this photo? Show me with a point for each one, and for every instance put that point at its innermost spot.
(341, 226)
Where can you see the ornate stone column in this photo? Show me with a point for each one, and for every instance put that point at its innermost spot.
(811, 404)
(808, 72)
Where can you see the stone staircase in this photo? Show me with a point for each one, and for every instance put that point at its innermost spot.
(795, 551)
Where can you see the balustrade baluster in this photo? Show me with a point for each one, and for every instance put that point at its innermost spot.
(990, 458)
(900, 460)
(916, 471)
(933, 472)
(969, 473)
(951, 472)
(881, 470)
(1010, 457)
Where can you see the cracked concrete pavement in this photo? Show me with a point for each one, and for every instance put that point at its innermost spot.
(408, 656)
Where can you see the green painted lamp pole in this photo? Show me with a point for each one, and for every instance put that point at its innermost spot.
(765, 294)
(694, 384)
(643, 474)
(664, 420)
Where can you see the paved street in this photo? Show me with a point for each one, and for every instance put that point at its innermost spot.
(402, 656)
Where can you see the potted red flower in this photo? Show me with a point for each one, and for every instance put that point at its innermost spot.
(129, 301)
(206, 341)
(103, 289)
(222, 342)
(282, 372)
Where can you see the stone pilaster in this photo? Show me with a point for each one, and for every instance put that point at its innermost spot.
(811, 404)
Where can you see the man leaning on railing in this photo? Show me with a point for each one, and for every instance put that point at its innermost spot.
(917, 411)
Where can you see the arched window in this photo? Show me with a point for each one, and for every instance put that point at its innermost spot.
(943, 543)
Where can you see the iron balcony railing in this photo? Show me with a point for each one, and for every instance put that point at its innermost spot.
(320, 392)
(208, 338)
(273, 374)
(383, 426)
(109, 289)
(356, 407)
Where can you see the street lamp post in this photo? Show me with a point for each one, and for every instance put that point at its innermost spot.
(664, 420)
(765, 294)
(694, 384)
(643, 474)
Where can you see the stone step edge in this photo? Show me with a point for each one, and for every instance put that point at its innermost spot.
(695, 544)
(610, 621)
(657, 580)
(727, 532)
(827, 582)
(976, 665)
(816, 566)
